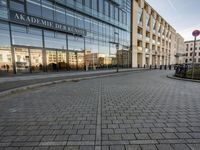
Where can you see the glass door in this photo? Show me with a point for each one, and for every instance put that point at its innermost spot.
(22, 60)
(36, 60)
(51, 57)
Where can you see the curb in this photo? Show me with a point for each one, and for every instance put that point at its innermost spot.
(182, 79)
(23, 88)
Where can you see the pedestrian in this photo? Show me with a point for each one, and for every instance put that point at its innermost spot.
(7, 67)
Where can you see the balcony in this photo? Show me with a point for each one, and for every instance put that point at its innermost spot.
(153, 41)
(158, 43)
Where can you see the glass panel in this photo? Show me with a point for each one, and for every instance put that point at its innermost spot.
(22, 60)
(5, 60)
(4, 35)
(18, 6)
(47, 9)
(29, 37)
(60, 14)
(3, 9)
(80, 60)
(75, 43)
(72, 60)
(36, 60)
(51, 60)
(62, 63)
(34, 7)
(55, 40)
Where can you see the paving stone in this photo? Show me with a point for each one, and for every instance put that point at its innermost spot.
(194, 146)
(169, 135)
(148, 147)
(117, 147)
(180, 147)
(133, 147)
(164, 147)
(142, 136)
(155, 136)
(75, 137)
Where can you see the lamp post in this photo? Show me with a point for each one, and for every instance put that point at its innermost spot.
(195, 34)
(117, 48)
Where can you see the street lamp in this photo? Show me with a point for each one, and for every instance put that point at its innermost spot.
(117, 48)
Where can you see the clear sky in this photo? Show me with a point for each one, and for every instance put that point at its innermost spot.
(183, 15)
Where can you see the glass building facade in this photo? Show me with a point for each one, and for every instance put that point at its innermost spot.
(54, 35)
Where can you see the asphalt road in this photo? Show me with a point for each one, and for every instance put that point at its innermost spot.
(133, 111)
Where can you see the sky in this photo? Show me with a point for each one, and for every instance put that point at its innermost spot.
(183, 15)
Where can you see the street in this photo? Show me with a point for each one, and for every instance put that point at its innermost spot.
(131, 111)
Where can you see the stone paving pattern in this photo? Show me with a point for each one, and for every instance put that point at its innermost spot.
(134, 111)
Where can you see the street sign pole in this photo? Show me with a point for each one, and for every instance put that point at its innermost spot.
(195, 34)
(193, 57)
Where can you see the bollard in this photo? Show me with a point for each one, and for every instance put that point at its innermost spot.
(138, 65)
(165, 67)
(150, 66)
(155, 66)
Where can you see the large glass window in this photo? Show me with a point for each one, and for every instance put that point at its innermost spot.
(17, 5)
(47, 9)
(21, 35)
(54, 40)
(34, 7)
(3, 9)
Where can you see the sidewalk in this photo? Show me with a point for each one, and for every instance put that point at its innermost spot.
(14, 82)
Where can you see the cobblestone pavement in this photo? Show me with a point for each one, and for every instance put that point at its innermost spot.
(134, 111)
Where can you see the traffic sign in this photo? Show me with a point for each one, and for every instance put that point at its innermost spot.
(196, 33)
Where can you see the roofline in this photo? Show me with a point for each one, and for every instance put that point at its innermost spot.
(191, 41)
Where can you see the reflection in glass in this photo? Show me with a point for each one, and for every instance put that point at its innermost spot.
(22, 60)
(5, 60)
(72, 60)
(61, 60)
(36, 60)
(51, 57)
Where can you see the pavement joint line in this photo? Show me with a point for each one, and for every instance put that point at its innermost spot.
(37, 85)
(99, 113)
(63, 143)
